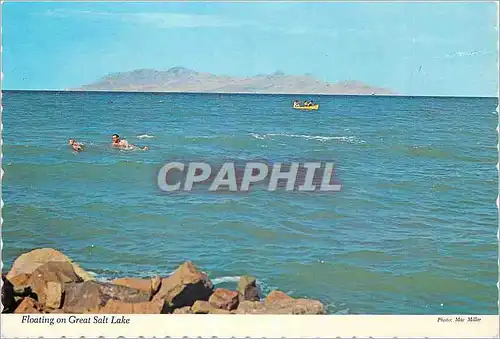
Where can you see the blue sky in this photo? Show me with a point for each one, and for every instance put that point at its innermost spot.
(411, 48)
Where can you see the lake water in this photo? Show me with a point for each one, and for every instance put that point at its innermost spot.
(412, 232)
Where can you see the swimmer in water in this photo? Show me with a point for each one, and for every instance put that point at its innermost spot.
(122, 143)
(76, 146)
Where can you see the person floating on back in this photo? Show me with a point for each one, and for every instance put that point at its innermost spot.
(123, 144)
(76, 146)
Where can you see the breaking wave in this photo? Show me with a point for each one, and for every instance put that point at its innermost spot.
(348, 139)
(222, 280)
(145, 136)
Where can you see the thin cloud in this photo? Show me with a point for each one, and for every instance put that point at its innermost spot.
(171, 20)
(464, 54)
(158, 19)
(180, 20)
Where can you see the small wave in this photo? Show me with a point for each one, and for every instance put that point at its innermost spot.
(103, 277)
(318, 137)
(145, 136)
(259, 136)
(194, 137)
(222, 280)
(349, 139)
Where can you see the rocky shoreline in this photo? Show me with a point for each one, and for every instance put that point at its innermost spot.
(46, 281)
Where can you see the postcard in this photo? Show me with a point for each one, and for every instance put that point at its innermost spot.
(251, 169)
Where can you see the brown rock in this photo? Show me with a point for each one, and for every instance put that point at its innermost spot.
(185, 286)
(204, 307)
(53, 294)
(90, 296)
(224, 299)
(282, 306)
(251, 307)
(27, 263)
(8, 300)
(139, 284)
(54, 271)
(247, 289)
(183, 310)
(296, 306)
(119, 307)
(28, 306)
(275, 296)
(83, 297)
(201, 307)
(21, 289)
(20, 282)
(155, 284)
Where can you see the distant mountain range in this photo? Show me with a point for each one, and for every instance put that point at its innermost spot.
(180, 79)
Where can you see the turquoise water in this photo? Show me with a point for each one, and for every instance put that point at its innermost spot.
(412, 232)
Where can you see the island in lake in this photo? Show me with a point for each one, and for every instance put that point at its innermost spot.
(180, 79)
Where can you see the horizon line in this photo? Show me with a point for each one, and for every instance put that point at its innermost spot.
(249, 93)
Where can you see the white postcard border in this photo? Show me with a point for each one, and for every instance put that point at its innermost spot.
(256, 326)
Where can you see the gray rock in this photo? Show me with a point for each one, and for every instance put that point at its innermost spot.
(90, 296)
(248, 289)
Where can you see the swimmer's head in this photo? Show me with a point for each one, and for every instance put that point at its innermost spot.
(71, 141)
(115, 137)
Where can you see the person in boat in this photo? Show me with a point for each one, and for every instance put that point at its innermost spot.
(307, 103)
(76, 146)
(123, 144)
(296, 103)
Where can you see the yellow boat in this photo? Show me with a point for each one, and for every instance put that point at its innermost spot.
(310, 108)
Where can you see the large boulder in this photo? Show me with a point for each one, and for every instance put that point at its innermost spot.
(28, 306)
(49, 279)
(119, 307)
(24, 266)
(296, 306)
(278, 302)
(8, 300)
(276, 296)
(251, 307)
(139, 284)
(185, 286)
(248, 289)
(204, 307)
(90, 296)
(224, 299)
